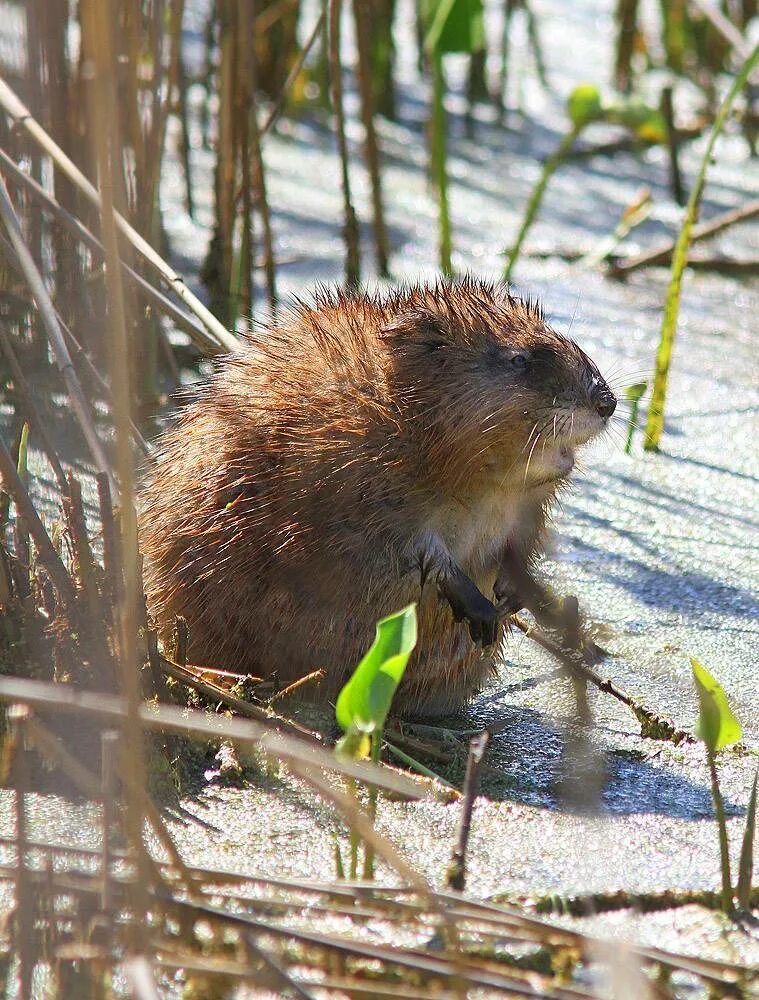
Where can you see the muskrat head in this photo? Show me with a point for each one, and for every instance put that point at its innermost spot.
(490, 388)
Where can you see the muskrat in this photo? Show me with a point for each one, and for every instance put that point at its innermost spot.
(364, 452)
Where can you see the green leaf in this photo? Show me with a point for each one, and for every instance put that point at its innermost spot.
(746, 864)
(635, 392)
(355, 744)
(717, 726)
(365, 700)
(454, 26)
(584, 104)
(645, 121)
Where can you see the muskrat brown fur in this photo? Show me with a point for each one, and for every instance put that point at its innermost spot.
(363, 453)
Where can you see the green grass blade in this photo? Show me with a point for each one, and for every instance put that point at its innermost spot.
(536, 197)
(655, 423)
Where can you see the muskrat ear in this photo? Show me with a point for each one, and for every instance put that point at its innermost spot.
(417, 326)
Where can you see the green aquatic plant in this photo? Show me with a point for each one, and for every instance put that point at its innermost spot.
(452, 26)
(365, 700)
(717, 728)
(586, 105)
(633, 393)
(655, 422)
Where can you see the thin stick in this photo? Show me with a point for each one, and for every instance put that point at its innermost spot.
(23, 119)
(456, 874)
(53, 330)
(109, 749)
(216, 693)
(660, 728)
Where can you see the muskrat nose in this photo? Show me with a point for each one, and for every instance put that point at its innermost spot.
(605, 403)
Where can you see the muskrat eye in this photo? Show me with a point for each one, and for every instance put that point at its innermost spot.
(519, 361)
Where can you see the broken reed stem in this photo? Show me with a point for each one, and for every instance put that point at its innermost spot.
(112, 572)
(179, 82)
(350, 222)
(97, 22)
(456, 873)
(662, 253)
(362, 10)
(52, 328)
(81, 354)
(245, 708)
(652, 725)
(29, 407)
(22, 118)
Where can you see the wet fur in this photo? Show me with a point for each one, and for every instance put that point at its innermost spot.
(363, 444)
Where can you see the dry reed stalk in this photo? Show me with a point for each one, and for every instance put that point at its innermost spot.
(258, 173)
(152, 295)
(218, 268)
(46, 552)
(18, 716)
(29, 407)
(362, 18)
(350, 222)
(23, 119)
(79, 353)
(97, 22)
(292, 76)
(52, 328)
(195, 724)
(178, 81)
(245, 114)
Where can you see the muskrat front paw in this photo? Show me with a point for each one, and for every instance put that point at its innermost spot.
(469, 604)
(507, 599)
